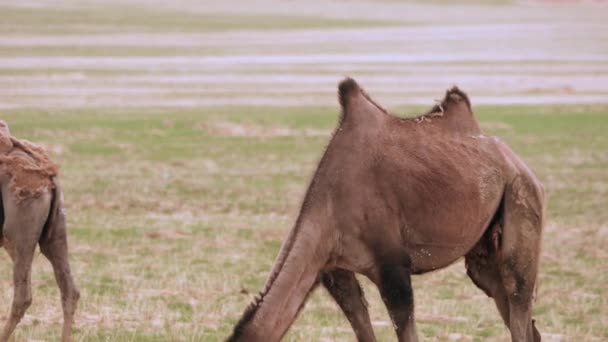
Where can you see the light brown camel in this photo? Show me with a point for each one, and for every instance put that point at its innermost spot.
(393, 197)
(31, 214)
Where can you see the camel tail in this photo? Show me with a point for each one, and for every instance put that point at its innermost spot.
(294, 275)
(56, 219)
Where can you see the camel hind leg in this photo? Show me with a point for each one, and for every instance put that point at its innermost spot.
(484, 269)
(343, 286)
(520, 252)
(21, 230)
(55, 248)
(504, 264)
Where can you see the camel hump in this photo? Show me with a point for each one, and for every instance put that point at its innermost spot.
(455, 96)
(456, 112)
(356, 105)
(347, 88)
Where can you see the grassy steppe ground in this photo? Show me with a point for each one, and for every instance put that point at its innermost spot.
(178, 200)
(176, 215)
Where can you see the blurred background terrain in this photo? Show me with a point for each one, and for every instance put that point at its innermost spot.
(187, 132)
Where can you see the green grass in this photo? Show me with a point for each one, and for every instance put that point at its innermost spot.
(175, 221)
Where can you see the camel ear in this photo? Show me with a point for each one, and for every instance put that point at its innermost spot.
(356, 105)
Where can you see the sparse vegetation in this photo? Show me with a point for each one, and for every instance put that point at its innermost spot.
(158, 199)
(176, 211)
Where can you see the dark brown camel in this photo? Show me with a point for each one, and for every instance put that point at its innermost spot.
(32, 214)
(393, 197)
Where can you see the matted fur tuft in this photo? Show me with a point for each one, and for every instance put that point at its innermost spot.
(452, 96)
(457, 95)
(245, 318)
(31, 170)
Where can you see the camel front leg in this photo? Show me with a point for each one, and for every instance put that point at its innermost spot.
(56, 251)
(394, 282)
(343, 286)
(295, 274)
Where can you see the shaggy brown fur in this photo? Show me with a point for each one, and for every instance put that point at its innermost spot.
(31, 170)
(32, 214)
(394, 197)
(28, 165)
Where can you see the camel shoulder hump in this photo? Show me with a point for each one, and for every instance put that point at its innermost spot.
(357, 107)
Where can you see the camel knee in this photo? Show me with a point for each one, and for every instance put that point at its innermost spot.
(69, 300)
(518, 282)
(20, 306)
(74, 297)
(75, 294)
(520, 292)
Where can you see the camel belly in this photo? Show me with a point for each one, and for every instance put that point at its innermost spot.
(442, 221)
(430, 257)
(436, 240)
(429, 247)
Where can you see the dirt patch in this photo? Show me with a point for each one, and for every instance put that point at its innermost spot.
(168, 234)
(232, 129)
